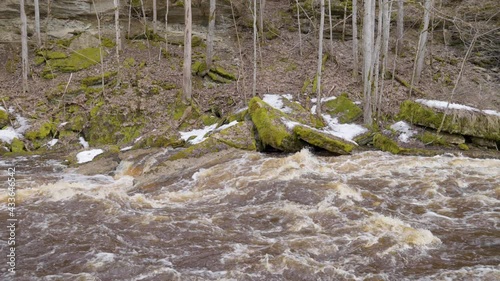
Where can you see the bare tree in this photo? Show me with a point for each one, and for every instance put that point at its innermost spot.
(129, 18)
(254, 83)
(186, 84)
(298, 22)
(400, 27)
(100, 44)
(422, 42)
(331, 26)
(368, 44)
(166, 26)
(24, 46)
(37, 23)
(155, 17)
(320, 56)
(262, 8)
(387, 7)
(117, 29)
(210, 37)
(355, 48)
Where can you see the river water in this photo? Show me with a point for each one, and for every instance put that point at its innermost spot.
(253, 216)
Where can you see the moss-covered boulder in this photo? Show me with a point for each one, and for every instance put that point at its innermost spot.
(238, 136)
(76, 61)
(159, 140)
(385, 143)
(40, 133)
(433, 138)
(4, 118)
(223, 73)
(97, 80)
(302, 115)
(324, 140)
(458, 121)
(113, 126)
(270, 127)
(343, 108)
(16, 145)
(207, 146)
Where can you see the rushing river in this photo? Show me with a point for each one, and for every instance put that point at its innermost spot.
(252, 216)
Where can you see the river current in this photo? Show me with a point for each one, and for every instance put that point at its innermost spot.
(252, 216)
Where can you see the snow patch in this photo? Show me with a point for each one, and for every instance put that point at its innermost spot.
(444, 105)
(275, 101)
(344, 131)
(126, 148)
(83, 142)
(52, 142)
(88, 155)
(8, 134)
(3, 109)
(404, 129)
(227, 125)
(198, 134)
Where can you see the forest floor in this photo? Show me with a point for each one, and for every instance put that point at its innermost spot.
(281, 70)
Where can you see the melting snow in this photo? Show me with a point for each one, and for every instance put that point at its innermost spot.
(404, 129)
(126, 148)
(52, 142)
(199, 134)
(88, 155)
(276, 102)
(10, 133)
(84, 143)
(444, 105)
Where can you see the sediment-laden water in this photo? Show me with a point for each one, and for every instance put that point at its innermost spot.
(251, 216)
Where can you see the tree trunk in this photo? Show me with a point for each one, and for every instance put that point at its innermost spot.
(300, 32)
(186, 85)
(129, 18)
(254, 83)
(400, 27)
(155, 17)
(210, 37)
(423, 41)
(37, 24)
(24, 46)
(262, 8)
(376, 56)
(100, 44)
(320, 57)
(166, 27)
(368, 38)
(117, 29)
(331, 26)
(387, 7)
(355, 48)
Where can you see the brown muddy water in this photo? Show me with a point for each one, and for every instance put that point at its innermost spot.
(252, 216)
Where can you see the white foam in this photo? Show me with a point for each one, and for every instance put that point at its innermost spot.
(88, 155)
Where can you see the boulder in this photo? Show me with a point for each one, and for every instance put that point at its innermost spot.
(210, 145)
(271, 128)
(85, 40)
(238, 136)
(324, 140)
(459, 120)
(4, 118)
(343, 108)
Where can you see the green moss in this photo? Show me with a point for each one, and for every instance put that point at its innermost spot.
(325, 141)
(97, 80)
(343, 108)
(38, 60)
(209, 119)
(218, 79)
(430, 138)
(129, 62)
(16, 145)
(114, 127)
(223, 73)
(463, 146)
(43, 131)
(239, 116)
(11, 64)
(106, 42)
(271, 130)
(65, 42)
(77, 61)
(238, 136)
(386, 144)
(51, 55)
(199, 67)
(48, 75)
(196, 41)
(306, 84)
(4, 118)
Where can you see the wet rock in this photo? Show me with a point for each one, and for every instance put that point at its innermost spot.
(210, 145)
(270, 127)
(432, 137)
(324, 140)
(238, 136)
(484, 143)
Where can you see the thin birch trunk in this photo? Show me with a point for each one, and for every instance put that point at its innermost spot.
(166, 27)
(262, 8)
(376, 58)
(320, 57)
(129, 18)
(355, 47)
(300, 32)
(186, 85)
(210, 37)
(400, 27)
(254, 82)
(100, 44)
(423, 41)
(241, 66)
(331, 26)
(37, 24)
(385, 48)
(145, 27)
(117, 29)
(345, 20)
(368, 40)
(24, 46)
(155, 17)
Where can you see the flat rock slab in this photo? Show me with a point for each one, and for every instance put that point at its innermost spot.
(324, 140)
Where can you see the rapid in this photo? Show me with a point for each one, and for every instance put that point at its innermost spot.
(252, 216)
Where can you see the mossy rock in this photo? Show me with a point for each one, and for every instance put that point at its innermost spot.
(270, 127)
(113, 126)
(442, 138)
(16, 145)
(208, 120)
(77, 61)
(238, 136)
(179, 40)
(51, 55)
(159, 141)
(199, 68)
(343, 108)
(364, 138)
(323, 140)
(40, 131)
(463, 122)
(223, 73)
(209, 145)
(385, 143)
(302, 115)
(463, 146)
(97, 80)
(239, 116)
(218, 79)
(485, 143)
(4, 118)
